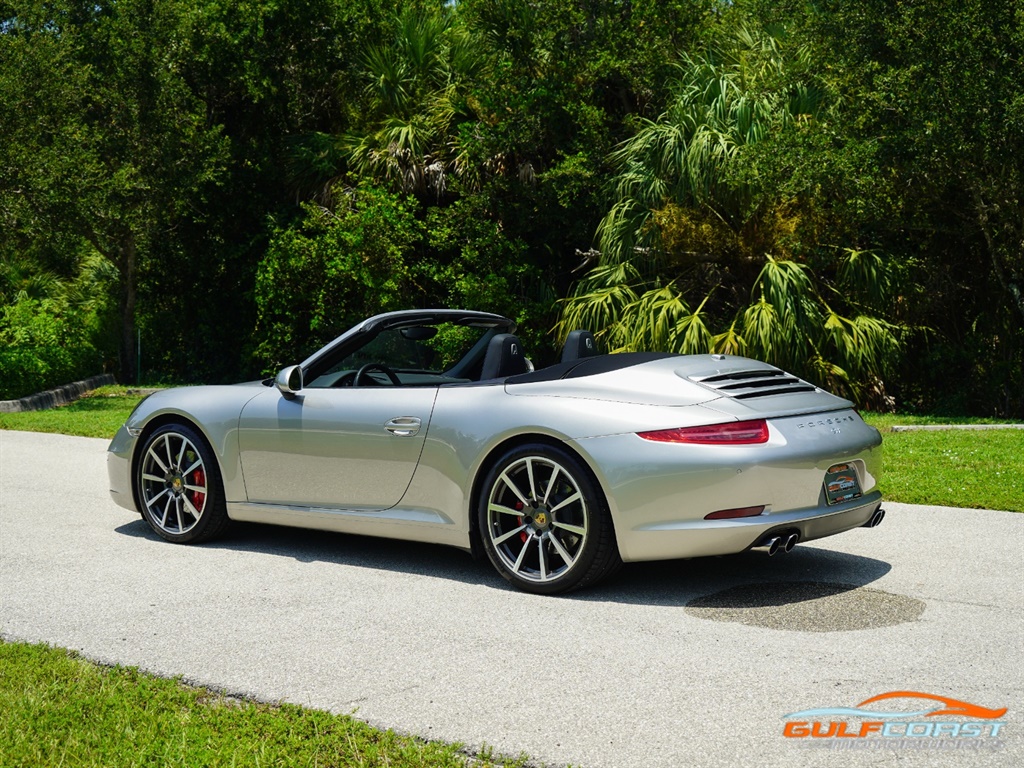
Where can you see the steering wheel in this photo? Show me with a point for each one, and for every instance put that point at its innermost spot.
(362, 378)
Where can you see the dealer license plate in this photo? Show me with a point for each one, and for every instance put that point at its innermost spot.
(841, 483)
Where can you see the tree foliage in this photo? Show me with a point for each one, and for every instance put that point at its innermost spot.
(698, 257)
(831, 186)
(331, 269)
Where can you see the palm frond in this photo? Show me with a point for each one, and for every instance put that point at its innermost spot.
(599, 305)
(730, 341)
(692, 335)
(865, 273)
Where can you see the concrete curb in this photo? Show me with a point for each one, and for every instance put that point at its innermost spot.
(940, 427)
(54, 397)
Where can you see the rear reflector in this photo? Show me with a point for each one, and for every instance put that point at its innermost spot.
(732, 433)
(728, 514)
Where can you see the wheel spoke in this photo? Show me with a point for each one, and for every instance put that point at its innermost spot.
(522, 555)
(492, 507)
(542, 554)
(191, 507)
(578, 530)
(152, 501)
(505, 478)
(181, 454)
(181, 523)
(154, 478)
(566, 557)
(190, 470)
(196, 488)
(509, 535)
(167, 447)
(154, 457)
(575, 497)
(167, 508)
(551, 483)
(529, 474)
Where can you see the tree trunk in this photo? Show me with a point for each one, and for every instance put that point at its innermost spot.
(127, 290)
(1008, 277)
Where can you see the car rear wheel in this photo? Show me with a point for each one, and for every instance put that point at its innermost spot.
(178, 486)
(544, 522)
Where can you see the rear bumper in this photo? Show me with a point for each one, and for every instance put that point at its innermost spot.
(660, 494)
(699, 538)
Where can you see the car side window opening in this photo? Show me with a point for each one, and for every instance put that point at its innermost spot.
(421, 355)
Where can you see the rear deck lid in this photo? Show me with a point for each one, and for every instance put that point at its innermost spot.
(736, 386)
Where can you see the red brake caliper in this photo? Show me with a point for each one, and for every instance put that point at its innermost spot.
(198, 478)
(522, 534)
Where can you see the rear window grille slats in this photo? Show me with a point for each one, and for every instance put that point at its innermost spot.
(743, 385)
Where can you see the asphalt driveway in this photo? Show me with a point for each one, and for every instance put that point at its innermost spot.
(669, 664)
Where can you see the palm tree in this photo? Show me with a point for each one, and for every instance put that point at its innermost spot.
(681, 224)
(732, 96)
(415, 89)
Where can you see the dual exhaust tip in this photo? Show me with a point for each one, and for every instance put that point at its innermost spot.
(785, 542)
(775, 544)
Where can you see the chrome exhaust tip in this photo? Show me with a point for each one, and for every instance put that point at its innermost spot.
(770, 546)
(791, 541)
(876, 518)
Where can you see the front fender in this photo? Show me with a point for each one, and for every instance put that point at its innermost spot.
(212, 410)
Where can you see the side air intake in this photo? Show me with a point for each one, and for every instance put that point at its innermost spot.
(762, 382)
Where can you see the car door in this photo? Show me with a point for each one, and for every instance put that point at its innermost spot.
(345, 448)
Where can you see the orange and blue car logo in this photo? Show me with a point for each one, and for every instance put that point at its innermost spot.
(927, 720)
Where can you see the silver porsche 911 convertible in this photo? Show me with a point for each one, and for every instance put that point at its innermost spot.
(434, 426)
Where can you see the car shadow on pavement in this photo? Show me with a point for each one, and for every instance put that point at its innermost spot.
(310, 546)
(738, 581)
(733, 577)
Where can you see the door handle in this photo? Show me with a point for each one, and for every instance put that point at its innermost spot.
(403, 426)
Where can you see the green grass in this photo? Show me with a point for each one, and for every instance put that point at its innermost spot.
(59, 709)
(98, 414)
(953, 468)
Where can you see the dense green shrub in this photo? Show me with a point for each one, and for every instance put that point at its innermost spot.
(45, 344)
(331, 269)
(27, 370)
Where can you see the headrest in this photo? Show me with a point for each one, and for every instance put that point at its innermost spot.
(504, 357)
(579, 344)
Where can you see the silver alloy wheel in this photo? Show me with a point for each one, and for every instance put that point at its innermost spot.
(173, 484)
(537, 519)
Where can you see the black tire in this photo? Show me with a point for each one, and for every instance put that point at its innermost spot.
(178, 486)
(544, 521)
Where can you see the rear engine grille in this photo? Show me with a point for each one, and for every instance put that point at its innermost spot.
(762, 382)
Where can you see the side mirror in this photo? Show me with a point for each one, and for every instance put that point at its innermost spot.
(289, 381)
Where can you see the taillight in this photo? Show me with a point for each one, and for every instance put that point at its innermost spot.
(731, 433)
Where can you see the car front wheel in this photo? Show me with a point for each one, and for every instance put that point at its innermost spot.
(179, 487)
(544, 522)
